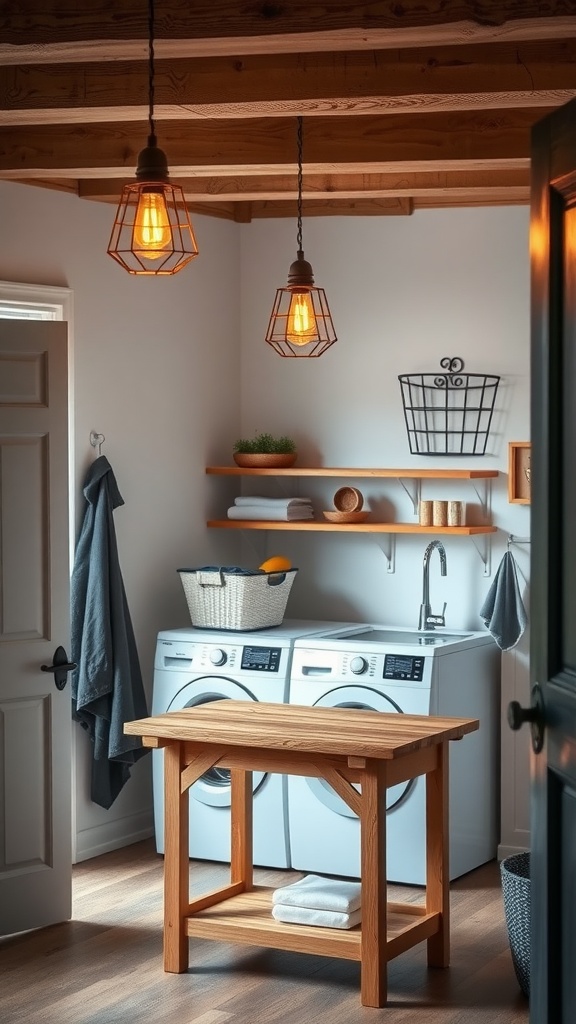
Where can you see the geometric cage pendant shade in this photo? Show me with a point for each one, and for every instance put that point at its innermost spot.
(300, 323)
(152, 233)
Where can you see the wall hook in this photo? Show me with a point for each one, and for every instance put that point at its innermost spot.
(97, 440)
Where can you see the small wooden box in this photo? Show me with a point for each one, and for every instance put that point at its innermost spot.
(519, 472)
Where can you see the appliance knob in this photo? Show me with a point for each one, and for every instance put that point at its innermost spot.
(358, 666)
(218, 656)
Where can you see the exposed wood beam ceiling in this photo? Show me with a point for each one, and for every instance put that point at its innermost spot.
(406, 106)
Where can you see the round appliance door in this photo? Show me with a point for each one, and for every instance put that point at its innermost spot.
(360, 698)
(213, 787)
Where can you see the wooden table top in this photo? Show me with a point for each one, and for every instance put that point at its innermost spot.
(294, 727)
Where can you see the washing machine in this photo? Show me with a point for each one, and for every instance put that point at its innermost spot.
(193, 666)
(400, 671)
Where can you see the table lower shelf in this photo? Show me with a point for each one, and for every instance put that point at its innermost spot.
(247, 917)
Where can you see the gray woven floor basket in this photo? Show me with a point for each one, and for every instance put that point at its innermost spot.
(515, 874)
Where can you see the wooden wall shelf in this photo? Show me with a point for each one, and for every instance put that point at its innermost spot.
(319, 471)
(312, 525)
(374, 528)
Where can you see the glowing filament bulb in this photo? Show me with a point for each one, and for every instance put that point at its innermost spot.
(302, 328)
(152, 232)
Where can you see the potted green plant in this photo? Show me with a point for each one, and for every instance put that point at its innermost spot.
(264, 450)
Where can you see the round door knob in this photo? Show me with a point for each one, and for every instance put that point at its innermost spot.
(534, 715)
(218, 656)
(358, 666)
(517, 715)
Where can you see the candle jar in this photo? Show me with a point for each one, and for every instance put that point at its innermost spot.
(455, 513)
(425, 513)
(440, 513)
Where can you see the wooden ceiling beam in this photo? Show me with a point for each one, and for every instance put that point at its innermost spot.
(403, 81)
(249, 189)
(266, 145)
(95, 30)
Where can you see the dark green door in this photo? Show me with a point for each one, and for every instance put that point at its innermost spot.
(553, 568)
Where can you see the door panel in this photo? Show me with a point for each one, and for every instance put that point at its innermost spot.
(553, 570)
(35, 719)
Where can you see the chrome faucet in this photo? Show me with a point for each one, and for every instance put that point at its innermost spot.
(427, 619)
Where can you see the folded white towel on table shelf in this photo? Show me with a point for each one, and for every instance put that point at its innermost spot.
(266, 512)
(321, 918)
(316, 893)
(256, 499)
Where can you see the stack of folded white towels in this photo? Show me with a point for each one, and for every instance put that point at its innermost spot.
(256, 507)
(327, 902)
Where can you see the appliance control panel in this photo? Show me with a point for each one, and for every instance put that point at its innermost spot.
(261, 659)
(402, 666)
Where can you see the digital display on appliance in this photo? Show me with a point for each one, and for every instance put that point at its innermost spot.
(261, 659)
(401, 666)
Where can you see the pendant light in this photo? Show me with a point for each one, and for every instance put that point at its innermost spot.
(152, 233)
(301, 323)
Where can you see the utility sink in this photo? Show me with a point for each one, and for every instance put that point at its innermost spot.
(410, 637)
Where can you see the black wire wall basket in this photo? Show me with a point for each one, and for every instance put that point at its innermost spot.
(448, 413)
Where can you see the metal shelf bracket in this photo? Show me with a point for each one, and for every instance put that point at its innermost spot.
(388, 549)
(486, 553)
(485, 498)
(414, 494)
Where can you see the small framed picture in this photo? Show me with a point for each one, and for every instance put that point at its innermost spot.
(519, 472)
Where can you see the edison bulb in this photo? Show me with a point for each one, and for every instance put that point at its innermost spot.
(302, 327)
(152, 231)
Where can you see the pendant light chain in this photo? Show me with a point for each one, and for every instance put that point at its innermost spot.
(152, 233)
(299, 234)
(152, 139)
(300, 323)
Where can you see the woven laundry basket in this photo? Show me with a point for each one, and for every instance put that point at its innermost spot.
(218, 599)
(515, 874)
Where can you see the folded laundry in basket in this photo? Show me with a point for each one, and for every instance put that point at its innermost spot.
(317, 893)
(321, 918)
(247, 499)
(264, 512)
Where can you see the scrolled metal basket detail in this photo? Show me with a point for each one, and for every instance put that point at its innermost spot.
(448, 413)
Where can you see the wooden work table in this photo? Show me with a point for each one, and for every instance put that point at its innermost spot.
(342, 746)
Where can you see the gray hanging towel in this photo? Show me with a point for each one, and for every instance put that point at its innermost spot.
(503, 611)
(107, 687)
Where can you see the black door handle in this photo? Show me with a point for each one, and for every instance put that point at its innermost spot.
(517, 715)
(60, 667)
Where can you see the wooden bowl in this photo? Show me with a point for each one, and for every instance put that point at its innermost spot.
(264, 461)
(346, 517)
(348, 499)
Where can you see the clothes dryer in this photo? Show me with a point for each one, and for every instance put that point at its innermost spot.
(398, 671)
(193, 666)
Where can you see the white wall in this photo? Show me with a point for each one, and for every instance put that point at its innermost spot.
(404, 292)
(156, 364)
(171, 370)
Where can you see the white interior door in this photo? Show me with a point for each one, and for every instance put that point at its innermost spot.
(35, 716)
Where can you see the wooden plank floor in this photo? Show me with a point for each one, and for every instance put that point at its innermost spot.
(105, 966)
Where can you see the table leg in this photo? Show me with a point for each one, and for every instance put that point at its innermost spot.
(437, 858)
(241, 856)
(373, 875)
(176, 863)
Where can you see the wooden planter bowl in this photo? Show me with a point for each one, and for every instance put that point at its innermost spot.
(264, 461)
(346, 517)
